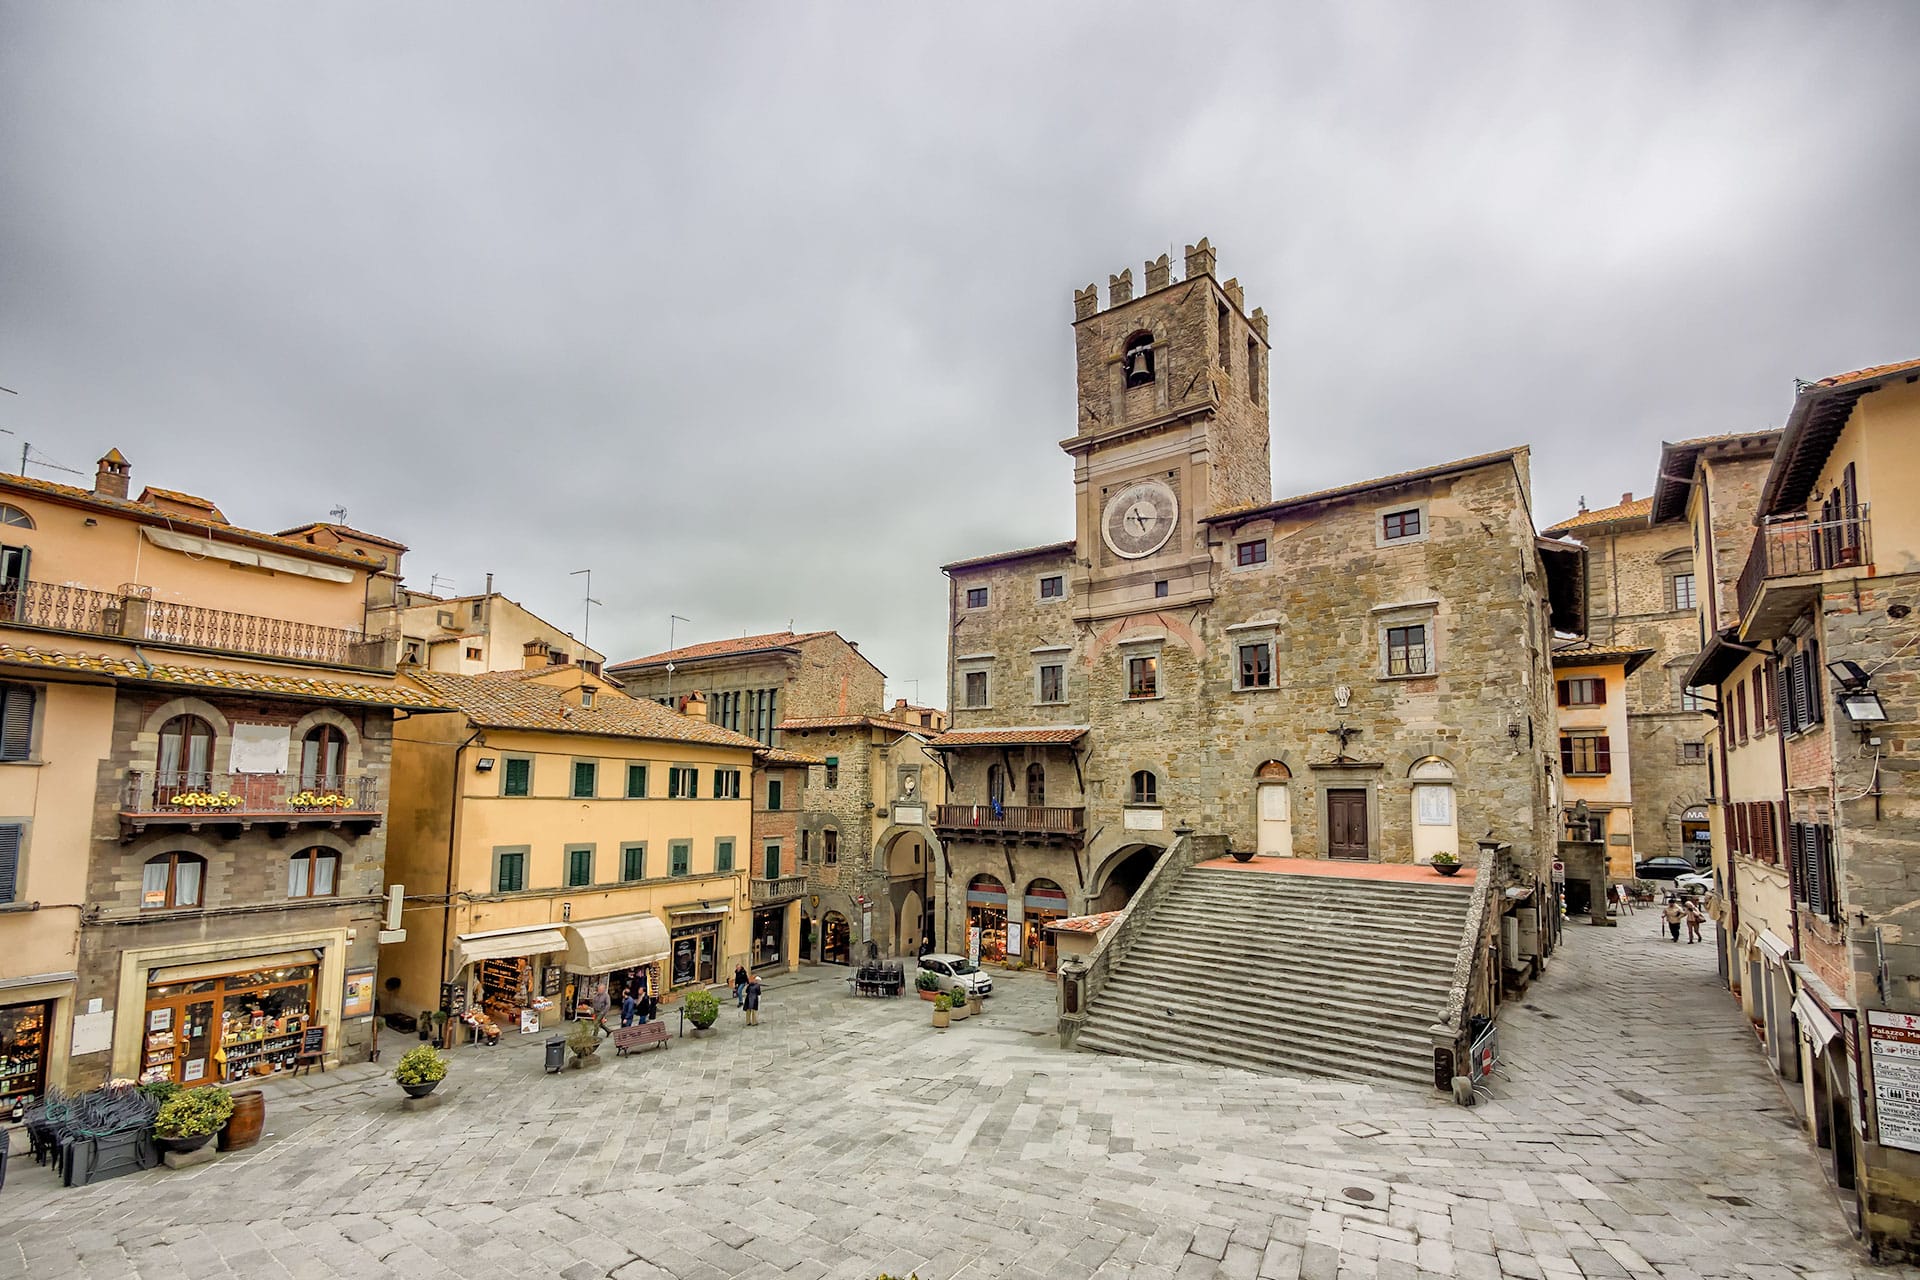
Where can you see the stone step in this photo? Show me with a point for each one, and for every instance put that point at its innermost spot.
(1346, 930)
(1158, 963)
(1318, 907)
(1271, 885)
(1164, 1044)
(1281, 1022)
(1255, 937)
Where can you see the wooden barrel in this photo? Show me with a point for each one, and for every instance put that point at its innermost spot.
(249, 1117)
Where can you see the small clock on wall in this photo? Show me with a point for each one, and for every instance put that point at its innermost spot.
(1140, 518)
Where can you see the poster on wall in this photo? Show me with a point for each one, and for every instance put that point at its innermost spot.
(1013, 942)
(195, 1069)
(529, 1022)
(358, 1000)
(260, 748)
(1894, 1041)
(160, 1020)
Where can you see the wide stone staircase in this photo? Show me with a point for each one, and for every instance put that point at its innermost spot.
(1289, 974)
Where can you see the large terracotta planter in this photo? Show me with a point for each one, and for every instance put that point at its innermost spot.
(929, 995)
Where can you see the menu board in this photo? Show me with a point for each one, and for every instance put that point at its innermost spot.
(1894, 1041)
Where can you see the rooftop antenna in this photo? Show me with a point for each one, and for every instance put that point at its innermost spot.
(339, 514)
(671, 619)
(433, 584)
(43, 461)
(588, 620)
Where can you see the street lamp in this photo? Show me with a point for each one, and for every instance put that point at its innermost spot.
(1861, 703)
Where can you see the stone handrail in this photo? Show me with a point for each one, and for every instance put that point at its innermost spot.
(1082, 978)
(1469, 963)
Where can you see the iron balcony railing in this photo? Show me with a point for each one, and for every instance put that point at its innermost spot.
(216, 796)
(132, 614)
(1790, 547)
(777, 888)
(1046, 819)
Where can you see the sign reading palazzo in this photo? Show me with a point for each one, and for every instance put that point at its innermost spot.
(1894, 1041)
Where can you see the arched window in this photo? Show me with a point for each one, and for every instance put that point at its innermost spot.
(313, 873)
(172, 880)
(1036, 784)
(1146, 788)
(1139, 360)
(15, 517)
(323, 759)
(186, 754)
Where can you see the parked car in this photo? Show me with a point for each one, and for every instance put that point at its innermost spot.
(1694, 882)
(957, 974)
(1665, 867)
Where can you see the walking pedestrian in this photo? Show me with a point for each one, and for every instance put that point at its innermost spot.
(739, 985)
(627, 1005)
(751, 998)
(1695, 918)
(1673, 915)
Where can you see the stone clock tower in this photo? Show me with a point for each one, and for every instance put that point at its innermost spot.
(1173, 428)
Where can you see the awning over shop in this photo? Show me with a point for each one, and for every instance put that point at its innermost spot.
(231, 964)
(1815, 1025)
(504, 943)
(1774, 946)
(688, 911)
(623, 942)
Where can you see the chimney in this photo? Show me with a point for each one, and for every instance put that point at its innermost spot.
(1626, 497)
(113, 477)
(899, 704)
(534, 656)
(694, 706)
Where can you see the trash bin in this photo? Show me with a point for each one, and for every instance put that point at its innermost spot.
(557, 1054)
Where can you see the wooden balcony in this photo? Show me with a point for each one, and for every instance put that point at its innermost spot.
(235, 802)
(776, 889)
(1788, 564)
(1042, 823)
(132, 614)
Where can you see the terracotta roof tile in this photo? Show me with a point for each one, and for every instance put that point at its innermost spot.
(1871, 371)
(185, 500)
(1037, 736)
(845, 722)
(1086, 924)
(1636, 511)
(1050, 549)
(222, 681)
(780, 755)
(498, 701)
(722, 648)
(1595, 655)
(1361, 486)
(342, 530)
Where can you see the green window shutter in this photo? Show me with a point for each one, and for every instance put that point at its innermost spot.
(519, 778)
(636, 782)
(723, 855)
(719, 784)
(9, 861)
(512, 875)
(773, 793)
(682, 851)
(633, 862)
(585, 774)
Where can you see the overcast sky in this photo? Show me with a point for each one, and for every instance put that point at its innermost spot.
(762, 311)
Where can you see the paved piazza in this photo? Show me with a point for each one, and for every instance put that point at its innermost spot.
(1639, 1136)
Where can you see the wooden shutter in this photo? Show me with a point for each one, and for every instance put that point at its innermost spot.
(1810, 868)
(1829, 882)
(1797, 683)
(1561, 687)
(1600, 693)
(1602, 755)
(9, 861)
(1816, 702)
(1566, 756)
(16, 722)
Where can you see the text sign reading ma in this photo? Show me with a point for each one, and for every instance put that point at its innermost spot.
(1894, 1039)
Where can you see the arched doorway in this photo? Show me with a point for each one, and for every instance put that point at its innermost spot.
(836, 939)
(1044, 903)
(1273, 836)
(987, 912)
(913, 911)
(1435, 823)
(1121, 875)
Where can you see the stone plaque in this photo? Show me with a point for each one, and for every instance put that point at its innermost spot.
(1144, 819)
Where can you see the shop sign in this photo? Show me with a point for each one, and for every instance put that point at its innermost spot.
(1894, 1042)
(973, 945)
(529, 1022)
(358, 1000)
(866, 926)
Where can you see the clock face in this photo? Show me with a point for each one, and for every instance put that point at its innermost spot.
(1140, 518)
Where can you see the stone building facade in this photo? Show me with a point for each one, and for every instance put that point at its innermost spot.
(1641, 594)
(1358, 672)
(752, 683)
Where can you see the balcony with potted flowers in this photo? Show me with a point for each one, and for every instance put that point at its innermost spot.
(241, 801)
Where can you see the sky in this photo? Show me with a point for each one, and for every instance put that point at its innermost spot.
(761, 312)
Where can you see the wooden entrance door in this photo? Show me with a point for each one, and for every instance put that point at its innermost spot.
(1347, 824)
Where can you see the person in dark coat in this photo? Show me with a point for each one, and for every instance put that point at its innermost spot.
(739, 984)
(627, 1005)
(750, 995)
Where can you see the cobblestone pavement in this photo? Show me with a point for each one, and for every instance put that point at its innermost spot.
(1640, 1135)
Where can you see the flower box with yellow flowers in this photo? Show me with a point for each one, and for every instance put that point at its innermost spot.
(319, 800)
(206, 800)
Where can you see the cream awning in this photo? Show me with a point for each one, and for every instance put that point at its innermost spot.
(1776, 948)
(1815, 1025)
(210, 548)
(504, 943)
(232, 964)
(622, 942)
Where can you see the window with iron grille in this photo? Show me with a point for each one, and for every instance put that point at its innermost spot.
(1406, 651)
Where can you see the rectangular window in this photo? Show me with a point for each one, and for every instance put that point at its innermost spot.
(830, 846)
(1760, 704)
(806, 847)
(1683, 597)
(473, 653)
(579, 866)
(1585, 755)
(510, 872)
(1256, 665)
(1160, 589)
(773, 793)
(770, 864)
(682, 783)
(1400, 524)
(636, 782)
(1053, 683)
(726, 784)
(681, 852)
(1692, 700)
(1247, 553)
(16, 722)
(1739, 725)
(1583, 691)
(585, 775)
(976, 597)
(10, 834)
(976, 686)
(1406, 651)
(723, 854)
(517, 778)
(1143, 677)
(633, 862)
(1053, 587)
(1693, 752)
(833, 772)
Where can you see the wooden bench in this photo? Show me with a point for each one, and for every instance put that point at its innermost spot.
(647, 1035)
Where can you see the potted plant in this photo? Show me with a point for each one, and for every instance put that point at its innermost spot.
(419, 1070)
(702, 1010)
(584, 1041)
(1241, 855)
(1447, 864)
(957, 1003)
(927, 985)
(975, 1003)
(189, 1119)
(942, 1011)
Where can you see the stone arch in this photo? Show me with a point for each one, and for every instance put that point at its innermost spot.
(936, 860)
(353, 763)
(146, 744)
(1435, 813)
(909, 923)
(1273, 771)
(1098, 882)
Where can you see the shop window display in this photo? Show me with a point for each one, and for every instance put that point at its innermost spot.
(23, 1053)
(227, 1028)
